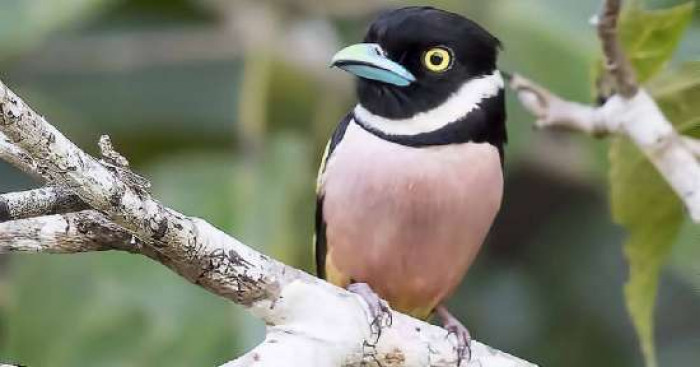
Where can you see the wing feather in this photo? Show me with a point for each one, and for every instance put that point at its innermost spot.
(320, 239)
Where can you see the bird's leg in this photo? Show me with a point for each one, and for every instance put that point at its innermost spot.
(453, 326)
(379, 311)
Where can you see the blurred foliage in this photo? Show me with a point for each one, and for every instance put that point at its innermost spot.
(24, 23)
(107, 310)
(155, 14)
(546, 287)
(641, 199)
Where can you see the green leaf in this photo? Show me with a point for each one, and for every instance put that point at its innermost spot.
(684, 260)
(677, 92)
(647, 207)
(651, 36)
(641, 200)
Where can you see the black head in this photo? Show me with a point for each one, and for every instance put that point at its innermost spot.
(407, 35)
(426, 77)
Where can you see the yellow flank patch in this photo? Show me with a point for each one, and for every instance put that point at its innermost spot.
(333, 274)
(322, 167)
(421, 313)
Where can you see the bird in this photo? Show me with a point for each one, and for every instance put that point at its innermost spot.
(411, 179)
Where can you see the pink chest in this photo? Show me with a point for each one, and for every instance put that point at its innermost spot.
(410, 216)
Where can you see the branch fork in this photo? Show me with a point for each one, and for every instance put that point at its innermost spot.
(630, 113)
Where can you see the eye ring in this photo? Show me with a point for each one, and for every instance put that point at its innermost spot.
(438, 59)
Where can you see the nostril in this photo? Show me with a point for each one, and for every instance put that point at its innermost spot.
(379, 51)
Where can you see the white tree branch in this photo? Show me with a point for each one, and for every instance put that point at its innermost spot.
(64, 234)
(631, 113)
(637, 118)
(310, 322)
(44, 201)
(33, 203)
(552, 111)
(300, 340)
(18, 157)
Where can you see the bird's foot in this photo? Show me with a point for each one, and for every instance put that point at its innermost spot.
(378, 309)
(455, 327)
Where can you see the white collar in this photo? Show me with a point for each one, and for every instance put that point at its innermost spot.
(460, 103)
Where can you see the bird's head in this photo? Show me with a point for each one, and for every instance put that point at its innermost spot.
(418, 59)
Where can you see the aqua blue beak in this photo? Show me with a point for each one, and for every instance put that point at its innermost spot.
(369, 61)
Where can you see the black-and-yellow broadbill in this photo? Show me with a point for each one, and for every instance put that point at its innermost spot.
(412, 177)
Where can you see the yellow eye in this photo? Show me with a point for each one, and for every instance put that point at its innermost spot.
(437, 59)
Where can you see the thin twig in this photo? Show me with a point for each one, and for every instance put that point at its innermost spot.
(33, 203)
(616, 62)
(552, 111)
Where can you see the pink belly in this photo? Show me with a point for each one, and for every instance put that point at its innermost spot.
(409, 221)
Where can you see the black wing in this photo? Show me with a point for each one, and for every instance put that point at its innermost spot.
(320, 237)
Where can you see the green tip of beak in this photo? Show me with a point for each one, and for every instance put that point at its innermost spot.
(368, 60)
